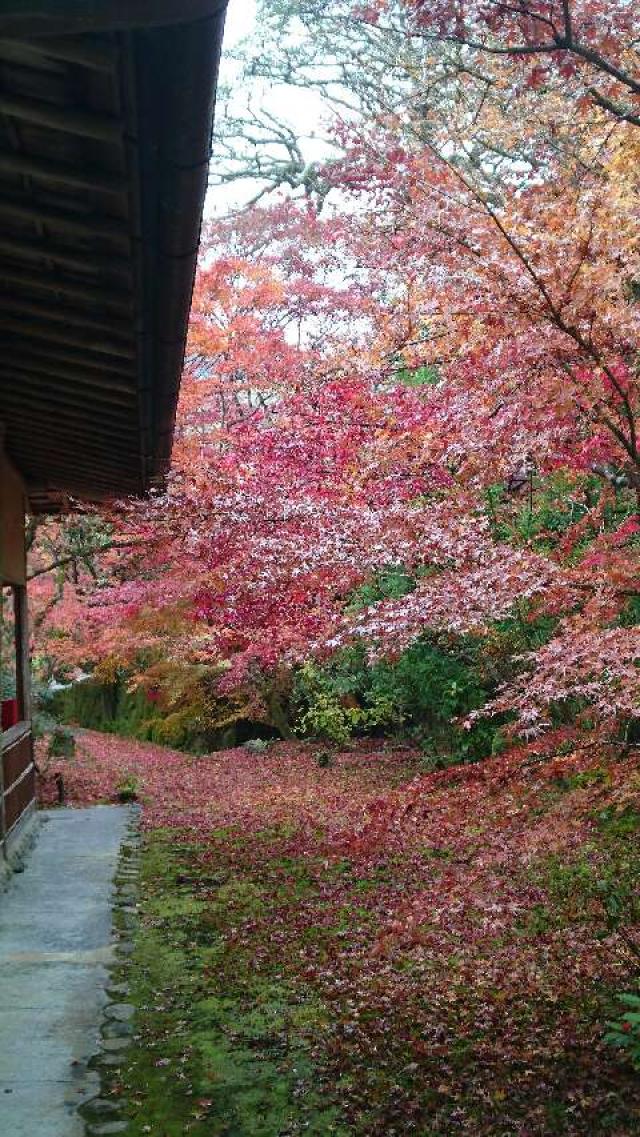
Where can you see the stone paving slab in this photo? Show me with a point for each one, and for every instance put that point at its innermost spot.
(55, 946)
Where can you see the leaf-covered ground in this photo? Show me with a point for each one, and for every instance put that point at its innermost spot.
(362, 949)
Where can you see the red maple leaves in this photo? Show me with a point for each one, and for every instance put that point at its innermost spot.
(358, 384)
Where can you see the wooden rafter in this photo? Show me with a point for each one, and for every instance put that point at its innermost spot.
(105, 118)
(104, 370)
(63, 173)
(62, 285)
(71, 337)
(86, 261)
(68, 120)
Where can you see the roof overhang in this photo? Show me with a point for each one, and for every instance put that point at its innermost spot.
(106, 111)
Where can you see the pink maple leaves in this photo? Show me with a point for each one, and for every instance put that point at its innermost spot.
(361, 384)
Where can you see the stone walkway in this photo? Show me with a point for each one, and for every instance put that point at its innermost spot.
(55, 945)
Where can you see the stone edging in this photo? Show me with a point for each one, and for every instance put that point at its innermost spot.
(20, 844)
(102, 1115)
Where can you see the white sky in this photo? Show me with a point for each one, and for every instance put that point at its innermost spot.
(305, 113)
(241, 19)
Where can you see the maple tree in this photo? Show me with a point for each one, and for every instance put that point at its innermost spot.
(406, 466)
(397, 380)
(588, 46)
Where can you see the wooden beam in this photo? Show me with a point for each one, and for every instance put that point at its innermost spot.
(84, 488)
(115, 298)
(86, 124)
(52, 502)
(46, 499)
(56, 441)
(72, 317)
(50, 492)
(120, 441)
(39, 373)
(86, 225)
(108, 477)
(34, 393)
(89, 262)
(94, 485)
(70, 427)
(80, 177)
(125, 454)
(69, 368)
(81, 482)
(112, 478)
(95, 54)
(68, 430)
(51, 17)
(52, 334)
(17, 388)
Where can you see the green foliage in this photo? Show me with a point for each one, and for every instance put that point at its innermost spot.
(630, 616)
(176, 730)
(434, 685)
(417, 376)
(426, 693)
(391, 583)
(327, 713)
(619, 823)
(543, 509)
(43, 723)
(92, 705)
(422, 693)
(625, 1031)
(181, 711)
(597, 776)
(603, 887)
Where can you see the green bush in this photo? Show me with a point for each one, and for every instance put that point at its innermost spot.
(423, 694)
(389, 584)
(173, 705)
(323, 711)
(179, 729)
(115, 709)
(625, 1031)
(93, 705)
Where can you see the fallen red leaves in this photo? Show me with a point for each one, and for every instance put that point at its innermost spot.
(231, 787)
(454, 926)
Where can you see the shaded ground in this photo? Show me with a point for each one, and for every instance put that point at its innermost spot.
(359, 949)
(55, 945)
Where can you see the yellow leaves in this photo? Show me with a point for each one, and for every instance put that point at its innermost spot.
(107, 669)
(623, 188)
(624, 150)
(165, 622)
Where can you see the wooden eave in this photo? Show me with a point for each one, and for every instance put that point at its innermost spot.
(105, 123)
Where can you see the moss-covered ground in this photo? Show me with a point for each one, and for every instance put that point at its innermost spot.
(361, 950)
(223, 1046)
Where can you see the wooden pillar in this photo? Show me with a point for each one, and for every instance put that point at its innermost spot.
(23, 668)
(13, 556)
(17, 770)
(3, 825)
